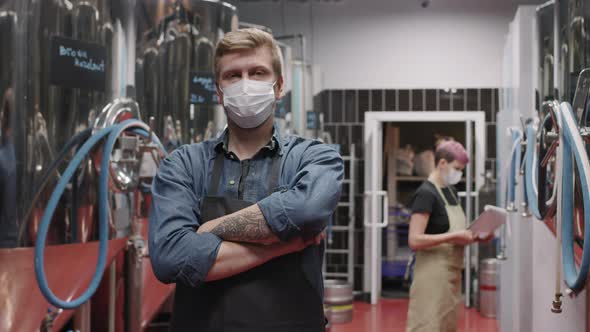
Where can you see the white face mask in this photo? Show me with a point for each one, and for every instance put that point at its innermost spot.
(249, 103)
(452, 177)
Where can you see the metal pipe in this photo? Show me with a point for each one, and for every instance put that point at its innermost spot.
(293, 36)
(135, 255)
(545, 5)
(351, 214)
(468, 208)
(82, 318)
(302, 43)
(112, 295)
(508, 183)
(556, 304)
(556, 48)
(50, 317)
(130, 39)
(302, 116)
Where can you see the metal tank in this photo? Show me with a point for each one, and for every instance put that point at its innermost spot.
(67, 69)
(553, 51)
(574, 16)
(486, 196)
(62, 65)
(564, 85)
(175, 71)
(573, 50)
(488, 287)
(577, 41)
(545, 19)
(579, 60)
(11, 136)
(54, 81)
(339, 299)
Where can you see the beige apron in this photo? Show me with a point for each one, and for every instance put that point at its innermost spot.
(435, 293)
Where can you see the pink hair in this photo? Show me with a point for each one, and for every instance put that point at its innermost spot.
(453, 149)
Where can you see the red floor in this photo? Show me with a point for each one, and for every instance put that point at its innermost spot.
(390, 316)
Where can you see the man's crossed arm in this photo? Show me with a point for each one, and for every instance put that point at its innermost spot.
(247, 225)
(248, 242)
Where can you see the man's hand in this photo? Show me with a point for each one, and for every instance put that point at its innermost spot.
(205, 228)
(298, 243)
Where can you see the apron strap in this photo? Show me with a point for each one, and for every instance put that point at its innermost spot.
(216, 176)
(442, 195)
(455, 196)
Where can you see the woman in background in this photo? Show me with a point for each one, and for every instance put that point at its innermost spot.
(438, 236)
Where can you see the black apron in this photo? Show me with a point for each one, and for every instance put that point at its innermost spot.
(274, 297)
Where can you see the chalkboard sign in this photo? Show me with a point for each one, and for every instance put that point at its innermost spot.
(312, 120)
(77, 64)
(202, 89)
(283, 106)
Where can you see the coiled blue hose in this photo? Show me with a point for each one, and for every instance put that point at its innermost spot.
(112, 132)
(531, 173)
(510, 181)
(514, 164)
(76, 140)
(573, 145)
(46, 221)
(525, 196)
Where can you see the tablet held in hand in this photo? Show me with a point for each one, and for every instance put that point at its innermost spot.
(492, 218)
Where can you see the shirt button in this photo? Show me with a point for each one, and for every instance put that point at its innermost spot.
(232, 182)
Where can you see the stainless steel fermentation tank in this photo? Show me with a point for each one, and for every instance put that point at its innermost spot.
(65, 65)
(546, 61)
(44, 104)
(175, 73)
(574, 48)
(574, 56)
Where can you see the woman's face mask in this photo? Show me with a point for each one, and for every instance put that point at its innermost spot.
(450, 174)
(453, 176)
(248, 102)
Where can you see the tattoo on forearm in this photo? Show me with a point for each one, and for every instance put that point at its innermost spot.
(245, 226)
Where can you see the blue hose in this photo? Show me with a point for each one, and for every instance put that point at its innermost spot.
(573, 145)
(78, 140)
(542, 200)
(514, 165)
(515, 152)
(531, 173)
(46, 221)
(525, 196)
(112, 132)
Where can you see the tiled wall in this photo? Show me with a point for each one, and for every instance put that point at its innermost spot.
(344, 116)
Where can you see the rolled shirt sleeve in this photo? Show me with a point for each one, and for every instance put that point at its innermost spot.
(310, 199)
(177, 252)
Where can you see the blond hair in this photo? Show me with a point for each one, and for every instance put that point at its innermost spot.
(248, 39)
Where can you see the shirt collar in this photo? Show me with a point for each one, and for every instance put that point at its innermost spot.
(275, 144)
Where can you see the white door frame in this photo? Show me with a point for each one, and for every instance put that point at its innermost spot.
(373, 140)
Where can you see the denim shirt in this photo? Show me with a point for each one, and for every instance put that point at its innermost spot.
(308, 192)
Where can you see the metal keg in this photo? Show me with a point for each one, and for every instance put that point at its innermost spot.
(328, 315)
(488, 276)
(338, 297)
